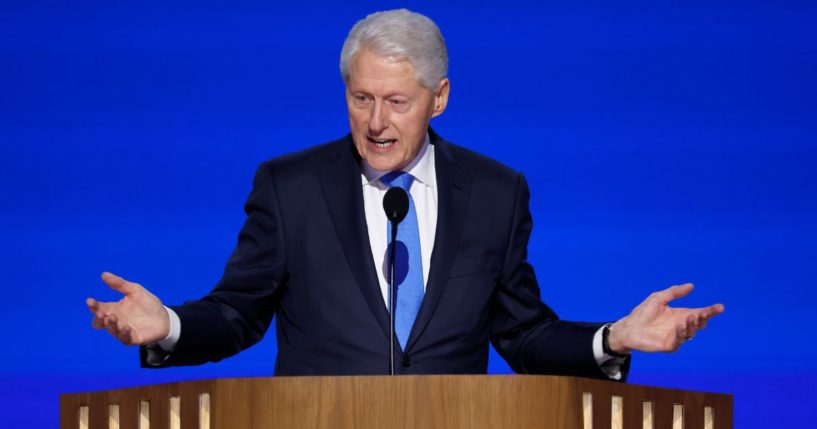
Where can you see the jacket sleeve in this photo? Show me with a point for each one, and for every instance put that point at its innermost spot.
(524, 330)
(237, 312)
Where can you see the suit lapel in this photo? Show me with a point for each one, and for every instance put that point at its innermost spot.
(453, 189)
(343, 191)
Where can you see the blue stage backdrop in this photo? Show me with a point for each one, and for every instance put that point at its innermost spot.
(663, 143)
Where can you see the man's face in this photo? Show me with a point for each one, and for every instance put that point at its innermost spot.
(389, 110)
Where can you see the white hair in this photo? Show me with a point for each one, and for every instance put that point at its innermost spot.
(403, 34)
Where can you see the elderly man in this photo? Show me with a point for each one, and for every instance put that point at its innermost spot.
(314, 250)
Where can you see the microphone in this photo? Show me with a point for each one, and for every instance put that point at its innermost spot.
(396, 206)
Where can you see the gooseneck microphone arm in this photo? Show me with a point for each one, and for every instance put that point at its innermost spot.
(396, 206)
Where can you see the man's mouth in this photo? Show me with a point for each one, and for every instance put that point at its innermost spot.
(381, 143)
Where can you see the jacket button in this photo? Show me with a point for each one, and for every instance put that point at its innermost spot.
(406, 361)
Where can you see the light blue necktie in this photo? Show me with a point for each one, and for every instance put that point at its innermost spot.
(408, 266)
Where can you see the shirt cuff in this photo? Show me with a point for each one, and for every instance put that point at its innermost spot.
(169, 343)
(158, 352)
(610, 365)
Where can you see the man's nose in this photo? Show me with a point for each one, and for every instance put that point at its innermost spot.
(379, 119)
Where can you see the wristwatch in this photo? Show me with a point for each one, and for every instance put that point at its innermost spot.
(605, 345)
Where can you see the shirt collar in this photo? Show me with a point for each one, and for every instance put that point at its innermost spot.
(421, 167)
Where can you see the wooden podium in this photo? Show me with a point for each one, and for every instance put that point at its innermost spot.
(432, 401)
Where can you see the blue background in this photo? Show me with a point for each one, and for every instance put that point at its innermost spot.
(663, 143)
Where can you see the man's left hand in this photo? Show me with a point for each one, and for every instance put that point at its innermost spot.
(654, 326)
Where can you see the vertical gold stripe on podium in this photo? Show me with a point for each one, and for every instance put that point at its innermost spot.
(83, 417)
(204, 411)
(678, 416)
(709, 418)
(144, 414)
(175, 412)
(646, 415)
(113, 416)
(616, 412)
(587, 409)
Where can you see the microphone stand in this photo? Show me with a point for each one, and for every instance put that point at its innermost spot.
(392, 258)
(396, 205)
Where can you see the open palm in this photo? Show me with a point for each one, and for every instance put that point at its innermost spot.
(654, 326)
(138, 318)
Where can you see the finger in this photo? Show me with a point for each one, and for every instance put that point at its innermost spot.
(112, 329)
(701, 324)
(682, 330)
(118, 283)
(698, 323)
(113, 326)
(102, 309)
(109, 320)
(716, 309)
(125, 335)
(96, 308)
(692, 322)
(711, 311)
(674, 292)
(680, 337)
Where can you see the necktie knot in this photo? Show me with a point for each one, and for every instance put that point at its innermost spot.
(399, 179)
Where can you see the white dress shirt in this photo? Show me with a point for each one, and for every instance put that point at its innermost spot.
(424, 193)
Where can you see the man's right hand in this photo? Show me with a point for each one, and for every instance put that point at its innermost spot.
(138, 318)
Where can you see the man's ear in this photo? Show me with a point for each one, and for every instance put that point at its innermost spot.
(441, 97)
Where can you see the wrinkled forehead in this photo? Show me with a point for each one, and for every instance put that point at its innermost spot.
(368, 65)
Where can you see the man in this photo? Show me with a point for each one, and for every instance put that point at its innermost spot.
(313, 250)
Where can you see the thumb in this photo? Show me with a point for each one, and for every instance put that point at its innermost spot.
(118, 283)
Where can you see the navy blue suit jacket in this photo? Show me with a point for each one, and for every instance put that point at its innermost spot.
(303, 255)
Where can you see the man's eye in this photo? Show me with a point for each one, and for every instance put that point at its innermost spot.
(361, 98)
(398, 104)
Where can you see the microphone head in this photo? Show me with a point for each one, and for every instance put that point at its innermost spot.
(396, 204)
